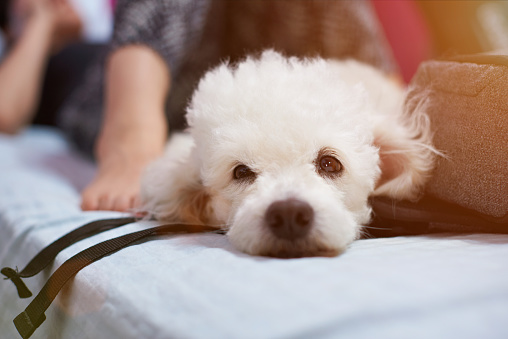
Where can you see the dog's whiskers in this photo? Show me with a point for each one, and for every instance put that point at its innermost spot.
(377, 228)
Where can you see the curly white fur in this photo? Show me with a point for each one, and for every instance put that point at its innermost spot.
(275, 115)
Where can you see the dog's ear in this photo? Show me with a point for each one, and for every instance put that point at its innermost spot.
(406, 158)
(172, 189)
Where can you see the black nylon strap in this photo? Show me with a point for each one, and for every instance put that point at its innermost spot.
(33, 316)
(48, 254)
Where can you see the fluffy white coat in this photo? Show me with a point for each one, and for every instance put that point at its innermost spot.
(277, 116)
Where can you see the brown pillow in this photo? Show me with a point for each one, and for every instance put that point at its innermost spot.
(466, 99)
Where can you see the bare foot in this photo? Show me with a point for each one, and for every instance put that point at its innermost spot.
(116, 185)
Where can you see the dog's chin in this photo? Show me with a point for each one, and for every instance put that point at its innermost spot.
(321, 241)
(296, 253)
(269, 246)
(308, 247)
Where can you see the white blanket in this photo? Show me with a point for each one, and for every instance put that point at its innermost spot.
(198, 286)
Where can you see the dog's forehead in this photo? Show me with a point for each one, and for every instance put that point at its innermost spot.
(284, 121)
(273, 142)
(276, 90)
(276, 110)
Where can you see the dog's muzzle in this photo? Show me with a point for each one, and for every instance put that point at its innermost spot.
(289, 219)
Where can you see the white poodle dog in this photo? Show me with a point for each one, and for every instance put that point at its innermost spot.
(285, 152)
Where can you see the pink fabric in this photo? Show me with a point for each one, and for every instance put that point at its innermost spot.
(407, 32)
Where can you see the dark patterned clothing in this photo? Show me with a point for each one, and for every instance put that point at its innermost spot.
(194, 35)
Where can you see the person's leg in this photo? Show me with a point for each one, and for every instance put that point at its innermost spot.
(134, 129)
(151, 41)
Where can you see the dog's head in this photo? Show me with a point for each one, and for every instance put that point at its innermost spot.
(284, 155)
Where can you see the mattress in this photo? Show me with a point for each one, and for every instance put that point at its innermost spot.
(199, 286)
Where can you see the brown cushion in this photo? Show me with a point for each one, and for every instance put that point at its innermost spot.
(467, 103)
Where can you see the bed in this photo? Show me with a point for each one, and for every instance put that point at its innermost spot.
(198, 286)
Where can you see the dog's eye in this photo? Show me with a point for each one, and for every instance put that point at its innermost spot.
(243, 172)
(329, 165)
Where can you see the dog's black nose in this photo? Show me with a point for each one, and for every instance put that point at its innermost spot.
(289, 219)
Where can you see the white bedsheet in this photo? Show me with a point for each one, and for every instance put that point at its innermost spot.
(198, 286)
